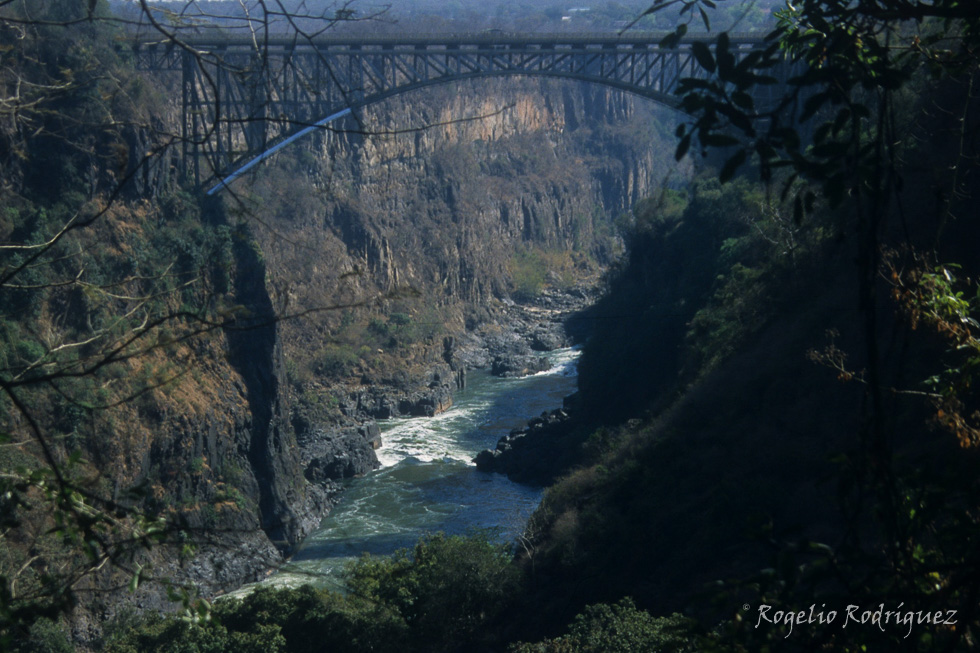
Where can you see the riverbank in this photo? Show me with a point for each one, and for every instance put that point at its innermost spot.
(427, 482)
(513, 343)
(430, 482)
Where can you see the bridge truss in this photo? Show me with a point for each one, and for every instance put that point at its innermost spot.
(240, 98)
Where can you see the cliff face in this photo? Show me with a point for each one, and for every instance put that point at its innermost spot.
(383, 241)
(447, 182)
(423, 205)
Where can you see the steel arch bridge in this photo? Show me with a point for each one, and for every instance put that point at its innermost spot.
(241, 100)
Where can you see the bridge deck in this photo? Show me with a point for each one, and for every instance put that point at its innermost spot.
(493, 39)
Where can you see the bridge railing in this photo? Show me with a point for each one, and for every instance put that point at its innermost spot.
(217, 41)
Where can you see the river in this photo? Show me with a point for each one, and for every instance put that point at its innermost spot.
(428, 483)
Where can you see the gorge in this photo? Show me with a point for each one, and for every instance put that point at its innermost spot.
(776, 340)
(364, 271)
(526, 192)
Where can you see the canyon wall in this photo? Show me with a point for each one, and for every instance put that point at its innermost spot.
(362, 263)
(392, 237)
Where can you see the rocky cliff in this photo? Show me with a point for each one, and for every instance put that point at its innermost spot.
(416, 220)
(356, 277)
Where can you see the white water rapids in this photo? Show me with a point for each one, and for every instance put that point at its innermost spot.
(428, 482)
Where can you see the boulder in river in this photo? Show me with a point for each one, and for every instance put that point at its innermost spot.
(340, 454)
(537, 453)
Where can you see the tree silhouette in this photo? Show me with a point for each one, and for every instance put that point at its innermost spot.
(884, 98)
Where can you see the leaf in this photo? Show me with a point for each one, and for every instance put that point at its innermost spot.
(670, 41)
(683, 147)
(765, 150)
(704, 18)
(728, 170)
(693, 102)
(789, 136)
(750, 61)
(743, 100)
(134, 582)
(726, 60)
(738, 118)
(703, 55)
(834, 190)
(723, 43)
(688, 84)
(718, 140)
(812, 105)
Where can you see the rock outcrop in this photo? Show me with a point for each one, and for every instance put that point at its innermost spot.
(341, 453)
(538, 453)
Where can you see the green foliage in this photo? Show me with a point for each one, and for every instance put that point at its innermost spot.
(89, 284)
(171, 635)
(335, 361)
(377, 346)
(618, 628)
(940, 300)
(67, 525)
(437, 597)
(655, 212)
(312, 620)
(855, 62)
(528, 272)
(301, 620)
(78, 98)
(855, 121)
(738, 308)
(698, 278)
(45, 636)
(445, 589)
(532, 269)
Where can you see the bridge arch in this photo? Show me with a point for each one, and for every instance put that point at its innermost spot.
(241, 107)
(248, 160)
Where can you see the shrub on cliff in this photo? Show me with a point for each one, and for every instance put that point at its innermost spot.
(528, 273)
(445, 589)
(617, 628)
(439, 596)
(680, 253)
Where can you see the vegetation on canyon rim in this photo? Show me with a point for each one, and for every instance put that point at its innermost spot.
(889, 95)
